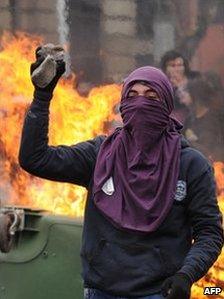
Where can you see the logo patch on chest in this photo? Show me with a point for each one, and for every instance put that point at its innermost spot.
(181, 190)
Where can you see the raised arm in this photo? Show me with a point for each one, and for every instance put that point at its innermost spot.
(73, 164)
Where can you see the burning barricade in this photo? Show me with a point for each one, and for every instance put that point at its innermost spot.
(75, 118)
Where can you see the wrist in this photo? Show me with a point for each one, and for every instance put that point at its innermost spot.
(184, 277)
(42, 95)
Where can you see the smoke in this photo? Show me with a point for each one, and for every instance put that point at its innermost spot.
(63, 30)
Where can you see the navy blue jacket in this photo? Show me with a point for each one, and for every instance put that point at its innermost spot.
(120, 262)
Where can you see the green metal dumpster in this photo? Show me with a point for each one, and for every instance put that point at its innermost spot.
(44, 261)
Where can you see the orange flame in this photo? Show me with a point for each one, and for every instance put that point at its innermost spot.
(73, 119)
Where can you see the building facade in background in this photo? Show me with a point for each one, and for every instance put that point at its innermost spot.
(109, 38)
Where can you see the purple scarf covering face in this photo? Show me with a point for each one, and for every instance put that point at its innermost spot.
(145, 119)
(138, 165)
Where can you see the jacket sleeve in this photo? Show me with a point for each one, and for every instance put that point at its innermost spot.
(206, 221)
(72, 164)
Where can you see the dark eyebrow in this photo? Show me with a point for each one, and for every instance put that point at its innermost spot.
(150, 89)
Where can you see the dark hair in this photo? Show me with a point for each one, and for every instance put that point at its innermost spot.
(171, 55)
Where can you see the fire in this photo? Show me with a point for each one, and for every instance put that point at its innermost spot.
(73, 119)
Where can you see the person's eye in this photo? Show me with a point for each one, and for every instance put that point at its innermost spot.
(152, 95)
(132, 94)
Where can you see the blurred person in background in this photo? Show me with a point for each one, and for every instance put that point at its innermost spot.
(204, 127)
(176, 67)
(150, 195)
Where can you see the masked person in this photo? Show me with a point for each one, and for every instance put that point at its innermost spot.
(149, 194)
